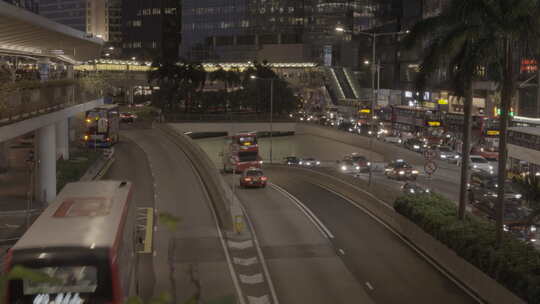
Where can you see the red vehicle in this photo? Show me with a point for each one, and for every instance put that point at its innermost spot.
(86, 241)
(253, 177)
(241, 152)
(416, 120)
(491, 153)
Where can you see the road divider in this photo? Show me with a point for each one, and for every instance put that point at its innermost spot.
(480, 286)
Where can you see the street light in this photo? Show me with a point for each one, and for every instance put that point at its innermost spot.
(375, 67)
(271, 109)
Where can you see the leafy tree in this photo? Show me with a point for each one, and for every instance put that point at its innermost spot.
(472, 35)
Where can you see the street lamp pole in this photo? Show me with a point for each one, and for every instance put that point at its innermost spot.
(271, 117)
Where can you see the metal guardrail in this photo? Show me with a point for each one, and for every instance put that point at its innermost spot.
(22, 100)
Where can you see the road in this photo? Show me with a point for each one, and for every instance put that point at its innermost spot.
(381, 262)
(304, 265)
(164, 179)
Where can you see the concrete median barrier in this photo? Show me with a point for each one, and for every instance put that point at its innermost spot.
(212, 180)
(376, 200)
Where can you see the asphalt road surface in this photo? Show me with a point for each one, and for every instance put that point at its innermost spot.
(389, 270)
(303, 263)
(164, 178)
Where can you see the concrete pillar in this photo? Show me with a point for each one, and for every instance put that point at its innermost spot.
(62, 139)
(47, 164)
(4, 160)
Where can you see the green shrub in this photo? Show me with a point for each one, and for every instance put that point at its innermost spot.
(515, 264)
(72, 170)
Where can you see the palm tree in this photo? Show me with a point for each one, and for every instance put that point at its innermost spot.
(453, 44)
(477, 34)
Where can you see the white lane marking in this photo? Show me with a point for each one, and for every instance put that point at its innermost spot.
(259, 300)
(251, 279)
(353, 186)
(240, 245)
(314, 219)
(261, 255)
(369, 286)
(246, 262)
(407, 242)
(341, 251)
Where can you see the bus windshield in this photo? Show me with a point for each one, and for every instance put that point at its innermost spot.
(74, 279)
(248, 156)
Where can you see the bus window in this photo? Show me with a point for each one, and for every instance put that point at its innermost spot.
(248, 156)
(74, 279)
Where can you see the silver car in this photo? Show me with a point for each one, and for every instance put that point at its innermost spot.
(447, 154)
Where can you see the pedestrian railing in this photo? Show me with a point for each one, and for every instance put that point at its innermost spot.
(24, 99)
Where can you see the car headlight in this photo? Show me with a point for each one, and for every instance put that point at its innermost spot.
(533, 228)
(401, 172)
(518, 196)
(490, 167)
(369, 132)
(443, 156)
(261, 162)
(350, 129)
(357, 167)
(301, 118)
(427, 190)
(387, 170)
(416, 147)
(318, 162)
(343, 168)
(369, 164)
(415, 172)
(300, 163)
(505, 228)
(533, 240)
(399, 141)
(475, 166)
(412, 190)
(456, 156)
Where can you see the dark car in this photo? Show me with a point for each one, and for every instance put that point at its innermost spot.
(516, 217)
(360, 161)
(253, 177)
(291, 160)
(415, 145)
(401, 170)
(411, 188)
(483, 184)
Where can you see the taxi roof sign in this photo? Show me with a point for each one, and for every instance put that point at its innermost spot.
(364, 111)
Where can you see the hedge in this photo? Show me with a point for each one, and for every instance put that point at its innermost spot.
(515, 264)
(68, 171)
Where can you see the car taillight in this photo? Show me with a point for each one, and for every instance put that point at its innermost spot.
(247, 179)
(264, 178)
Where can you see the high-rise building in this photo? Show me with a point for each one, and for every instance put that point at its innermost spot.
(278, 30)
(100, 18)
(31, 5)
(151, 28)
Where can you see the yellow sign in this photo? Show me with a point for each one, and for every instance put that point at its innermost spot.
(493, 132)
(443, 101)
(434, 123)
(364, 111)
(247, 143)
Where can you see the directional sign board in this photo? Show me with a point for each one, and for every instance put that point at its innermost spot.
(430, 167)
(430, 154)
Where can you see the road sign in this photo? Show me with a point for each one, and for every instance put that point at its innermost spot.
(430, 167)
(430, 154)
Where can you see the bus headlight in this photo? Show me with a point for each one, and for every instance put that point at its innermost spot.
(533, 228)
(357, 167)
(401, 172)
(343, 168)
(368, 164)
(415, 172)
(318, 162)
(416, 147)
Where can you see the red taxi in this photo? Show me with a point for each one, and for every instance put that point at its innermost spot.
(253, 177)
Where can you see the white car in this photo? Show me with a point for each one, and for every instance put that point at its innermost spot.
(477, 162)
(393, 139)
(348, 166)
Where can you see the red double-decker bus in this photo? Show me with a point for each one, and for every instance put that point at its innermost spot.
(241, 152)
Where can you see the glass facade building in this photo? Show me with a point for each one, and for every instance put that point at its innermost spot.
(31, 5)
(239, 29)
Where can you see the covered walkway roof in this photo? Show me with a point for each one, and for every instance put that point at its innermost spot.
(25, 33)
